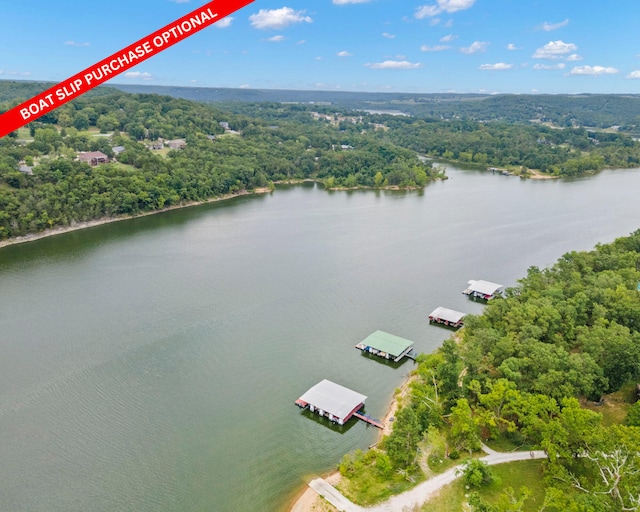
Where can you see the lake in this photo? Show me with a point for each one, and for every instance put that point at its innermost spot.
(153, 364)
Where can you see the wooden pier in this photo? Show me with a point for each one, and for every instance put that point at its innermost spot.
(368, 419)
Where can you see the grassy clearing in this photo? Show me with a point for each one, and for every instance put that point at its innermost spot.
(367, 490)
(368, 478)
(615, 407)
(452, 498)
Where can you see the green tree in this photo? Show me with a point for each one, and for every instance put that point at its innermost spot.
(477, 473)
(464, 431)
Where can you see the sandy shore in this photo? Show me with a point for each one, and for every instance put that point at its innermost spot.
(107, 220)
(309, 500)
(537, 175)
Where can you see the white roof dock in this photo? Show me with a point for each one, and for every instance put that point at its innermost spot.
(482, 288)
(333, 399)
(447, 315)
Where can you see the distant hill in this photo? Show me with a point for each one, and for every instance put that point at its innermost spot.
(221, 94)
(622, 112)
(591, 110)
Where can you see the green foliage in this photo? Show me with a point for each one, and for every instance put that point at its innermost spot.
(402, 444)
(464, 430)
(370, 477)
(477, 473)
(633, 415)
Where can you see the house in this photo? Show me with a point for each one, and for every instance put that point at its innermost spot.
(26, 169)
(224, 125)
(93, 158)
(117, 150)
(176, 144)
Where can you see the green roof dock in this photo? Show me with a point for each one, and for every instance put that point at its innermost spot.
(387, 346)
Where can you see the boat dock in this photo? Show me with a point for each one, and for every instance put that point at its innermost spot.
(387, 346)
(448, 317)
(485, 290)
(368, 419)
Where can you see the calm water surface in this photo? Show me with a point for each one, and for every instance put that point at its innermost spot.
(152, 365)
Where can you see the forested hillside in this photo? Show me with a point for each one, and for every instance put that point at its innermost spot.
(521, 373)
(514, 146)
(564, 110)
(224, 154)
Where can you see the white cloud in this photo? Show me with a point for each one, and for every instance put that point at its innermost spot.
(302, 41)
(559, 65)
(426, 10)
(394, 64)
(554, 50)
(319, 58)
(343, 2)
(344, 53)
(511, 47)
(276, 39)
(245, 86)
(634, 74)
(277, 18)
(498, 66)
(74, 43)
(475, 47)
(593, 70)
(448, 38)
(139, 74)
(449, 6)
(224, 22)
(573, 57)
(388, 36)
(548, 27)
(436, 48)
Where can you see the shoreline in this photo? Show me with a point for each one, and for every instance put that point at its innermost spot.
(308, 500)
(77, 226)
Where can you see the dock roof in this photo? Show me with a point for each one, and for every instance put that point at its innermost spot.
(389, 343)
(484, 287)
(447, 314)
(333, 398)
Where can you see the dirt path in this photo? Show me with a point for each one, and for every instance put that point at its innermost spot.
(421, 493)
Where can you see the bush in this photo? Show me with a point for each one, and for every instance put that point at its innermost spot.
(477, 473)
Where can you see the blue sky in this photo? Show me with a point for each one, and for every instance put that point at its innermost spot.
(464, 46)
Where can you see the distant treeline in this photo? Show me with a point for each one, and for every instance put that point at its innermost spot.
(517, 146)
(564, 110)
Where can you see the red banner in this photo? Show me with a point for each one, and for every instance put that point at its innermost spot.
(117, 63)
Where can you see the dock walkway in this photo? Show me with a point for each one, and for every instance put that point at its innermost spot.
(368, 419)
